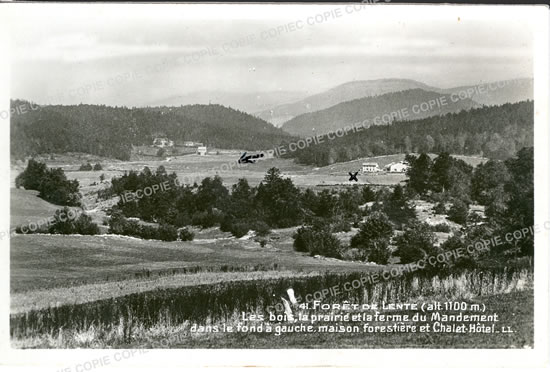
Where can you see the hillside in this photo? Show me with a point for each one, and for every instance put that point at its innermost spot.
(499, 93)
(27, 207)
(495, 132)
(111, 131)
(247, 102)
(369, 108)
(346, 92)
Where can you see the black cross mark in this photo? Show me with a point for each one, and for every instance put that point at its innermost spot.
(353, 177)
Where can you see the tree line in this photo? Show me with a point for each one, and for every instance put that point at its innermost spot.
(496, 132)
(112, 131)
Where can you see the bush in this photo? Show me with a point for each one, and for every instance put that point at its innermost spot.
(240, 229)
(440, 208)
(167, 233)
(204, 219)
(261, 228)
(417, 242)
(441, 227)
(368, 194)
(376, 226)
(86, 167)
(380, 252)
(118, 224)
(354, 254)
(68, 223)
(98, 167)
(458, 212)
(340, 224)
(317, 240)
(454, 243)
(185, 234)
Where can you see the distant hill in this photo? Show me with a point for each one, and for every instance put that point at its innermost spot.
(247, 102)
(111, 131)
(495, 132)
(497, 93)
(346, 92)
(370, 108)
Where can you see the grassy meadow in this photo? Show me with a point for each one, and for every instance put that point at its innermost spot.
(145, 319)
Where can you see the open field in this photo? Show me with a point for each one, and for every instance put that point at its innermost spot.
(164, 315)
(55, 297)
(195, 167)
(27, 207)
(47, 261)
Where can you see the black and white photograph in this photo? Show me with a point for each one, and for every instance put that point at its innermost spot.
(299, 184)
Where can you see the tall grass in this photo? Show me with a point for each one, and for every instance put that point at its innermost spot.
(120, 318)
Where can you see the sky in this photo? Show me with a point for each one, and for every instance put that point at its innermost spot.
(130, 55)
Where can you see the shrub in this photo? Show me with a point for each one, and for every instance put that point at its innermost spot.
(98, 167)
(379, 252)
(417, 242)
(458, 212)
(239, 229)
(86, 167)
(368, 194)
(167, 233)
(454, 243)
(118, 224)
(440, 208)
(185, 234)
(354, 254)
(376, 226)
(317, 240)
(85, 226)
(340, 224)
(204, 219)
(301, 239)
(441, 227)
(261, 228)
(67, 222)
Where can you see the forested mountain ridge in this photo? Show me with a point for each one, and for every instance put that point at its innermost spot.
(344, 92)
(369, 108)
(111, 131)
(497, 132)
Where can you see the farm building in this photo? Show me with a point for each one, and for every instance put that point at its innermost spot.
(370, 168)
(399, 167)
(201, 150)
(188, 143)
(162, 142)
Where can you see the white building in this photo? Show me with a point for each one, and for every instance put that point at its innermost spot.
(162, 142)
(399, 167)
(201, 150)
(370, 168)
